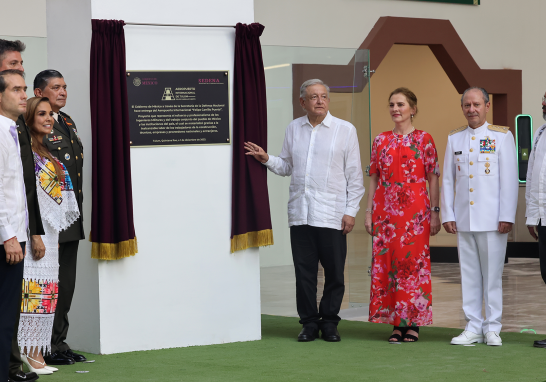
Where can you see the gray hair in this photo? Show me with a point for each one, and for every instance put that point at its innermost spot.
(306, 84)
(485, 94)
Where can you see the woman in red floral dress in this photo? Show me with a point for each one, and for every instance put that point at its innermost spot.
(400, 220)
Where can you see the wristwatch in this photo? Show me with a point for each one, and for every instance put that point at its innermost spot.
(435, 209)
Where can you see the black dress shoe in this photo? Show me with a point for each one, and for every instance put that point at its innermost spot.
(540, 344)
(22, 376)
(307, 334)
(330, 333)
(58, 358)
(75, 356)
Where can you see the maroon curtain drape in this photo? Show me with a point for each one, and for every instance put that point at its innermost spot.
(250, 215)
(112, 228)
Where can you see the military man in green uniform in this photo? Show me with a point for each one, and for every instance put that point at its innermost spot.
(64, 143)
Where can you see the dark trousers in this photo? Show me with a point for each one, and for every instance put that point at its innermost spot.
(11, 277)
(68, 255)
(309, 246)
(542, 250)
(15, 361)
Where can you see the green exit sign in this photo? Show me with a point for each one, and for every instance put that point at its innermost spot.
(471, 2)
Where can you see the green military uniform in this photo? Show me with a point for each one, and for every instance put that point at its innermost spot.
(65, 144)
(68, 148)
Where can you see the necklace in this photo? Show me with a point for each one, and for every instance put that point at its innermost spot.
(403, 135)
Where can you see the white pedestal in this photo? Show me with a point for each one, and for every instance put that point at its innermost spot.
(183, 288)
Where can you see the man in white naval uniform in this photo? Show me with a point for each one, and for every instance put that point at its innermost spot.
(479, 199)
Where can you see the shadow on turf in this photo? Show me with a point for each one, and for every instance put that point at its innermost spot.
(289, 327)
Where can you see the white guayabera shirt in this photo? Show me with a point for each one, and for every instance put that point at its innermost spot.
(13, 213)
(535, 189)
(327, 180)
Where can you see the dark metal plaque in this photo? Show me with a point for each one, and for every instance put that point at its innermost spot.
(178, 107)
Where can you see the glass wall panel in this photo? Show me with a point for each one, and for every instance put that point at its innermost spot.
(359, 256)
(286, 68)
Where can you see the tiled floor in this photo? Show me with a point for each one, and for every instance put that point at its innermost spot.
(524, 294)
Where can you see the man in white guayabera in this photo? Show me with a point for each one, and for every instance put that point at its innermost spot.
(535, 197)
(13, 210)
(322, 155)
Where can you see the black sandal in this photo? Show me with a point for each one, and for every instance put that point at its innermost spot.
(397, 337)
(411, 336)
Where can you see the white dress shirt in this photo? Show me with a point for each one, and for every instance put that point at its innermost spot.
(535, 189)
(13, 213)
(327, 180)
(480, 187)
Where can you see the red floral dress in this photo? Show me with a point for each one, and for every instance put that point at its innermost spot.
(400, 293)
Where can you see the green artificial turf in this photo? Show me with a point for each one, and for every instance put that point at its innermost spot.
(362, 355)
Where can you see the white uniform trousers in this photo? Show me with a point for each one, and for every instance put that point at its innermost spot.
(481, 258)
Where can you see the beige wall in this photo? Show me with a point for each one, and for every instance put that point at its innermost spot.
(23, 18)
(499, 33)
(29, 26)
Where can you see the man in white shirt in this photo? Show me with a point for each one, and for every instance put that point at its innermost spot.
(10, 58)
(535, 197)
(322, 155)
(13, 212)
(479, 199)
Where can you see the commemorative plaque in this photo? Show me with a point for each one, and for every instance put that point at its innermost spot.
(178, 107)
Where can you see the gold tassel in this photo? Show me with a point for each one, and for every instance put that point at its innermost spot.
(114, 251)
(252, 239)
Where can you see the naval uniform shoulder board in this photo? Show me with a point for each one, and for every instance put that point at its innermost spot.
(462, 128)
(500, 129)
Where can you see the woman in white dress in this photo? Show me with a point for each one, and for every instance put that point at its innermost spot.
(59, 209)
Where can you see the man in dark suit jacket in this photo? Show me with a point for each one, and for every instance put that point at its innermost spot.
(10, 58)
(65, 144)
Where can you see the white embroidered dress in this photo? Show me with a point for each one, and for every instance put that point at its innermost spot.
(59, 209)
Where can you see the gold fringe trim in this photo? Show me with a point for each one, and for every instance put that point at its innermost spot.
(252, 239)
(114, 251)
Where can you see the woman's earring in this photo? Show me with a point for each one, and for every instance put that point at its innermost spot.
(412, 116)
